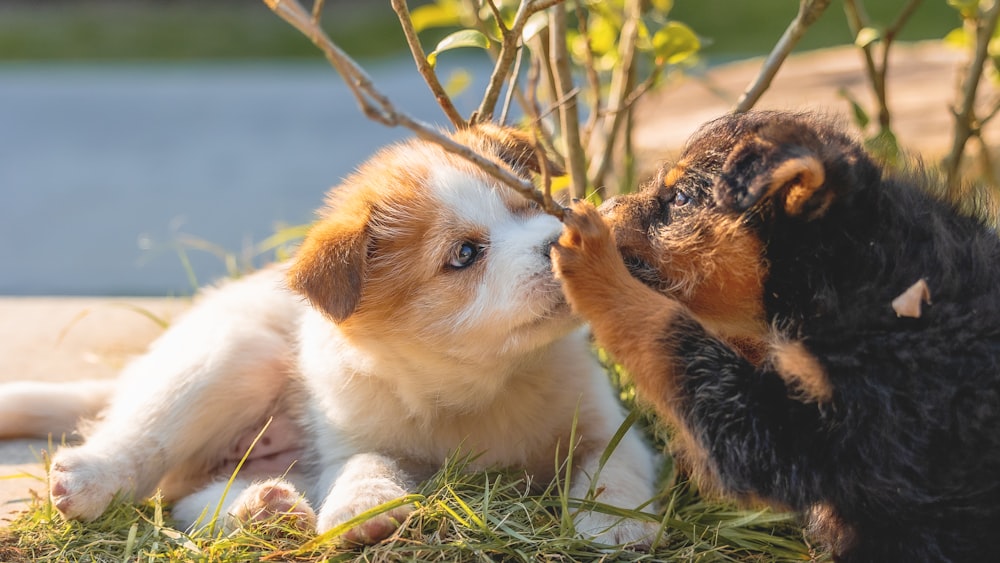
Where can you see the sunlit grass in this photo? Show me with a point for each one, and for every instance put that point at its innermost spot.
(460, 516)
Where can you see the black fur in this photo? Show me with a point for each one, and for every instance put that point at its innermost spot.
(906, 451)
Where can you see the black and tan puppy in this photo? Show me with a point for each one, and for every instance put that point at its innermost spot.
(759, 296)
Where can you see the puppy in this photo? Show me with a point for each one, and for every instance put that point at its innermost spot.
(432, 324)
(823, 335)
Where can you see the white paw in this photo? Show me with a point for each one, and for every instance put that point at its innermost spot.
(346, 502)
(83, 483)
(273, 500)
(615, 530)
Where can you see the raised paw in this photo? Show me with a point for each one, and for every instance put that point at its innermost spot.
(587, 261)
(82, 483)
(346, 502)
(273, 500)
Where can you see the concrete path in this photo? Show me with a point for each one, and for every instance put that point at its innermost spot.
(62, 338)
(58, 339)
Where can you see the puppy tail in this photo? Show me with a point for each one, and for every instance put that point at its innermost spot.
(36, 409)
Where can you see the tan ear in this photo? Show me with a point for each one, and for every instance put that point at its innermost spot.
(515, 148)
(759, 169)
(801, 177)
(329, 267)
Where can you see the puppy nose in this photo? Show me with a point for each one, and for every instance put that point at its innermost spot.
(547, 246)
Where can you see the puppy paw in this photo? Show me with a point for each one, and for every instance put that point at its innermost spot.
(274, 500)
(587, 261)
(614, 530)
(346, 502)
(82, 483)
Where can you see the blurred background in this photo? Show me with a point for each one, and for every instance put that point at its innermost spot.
(148, 146)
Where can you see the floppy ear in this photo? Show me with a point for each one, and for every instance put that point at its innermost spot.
(760, 168)
(329, 267)
(515, 148)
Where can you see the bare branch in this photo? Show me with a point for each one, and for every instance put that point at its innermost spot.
(377, 106)
(568, 114)
(809, 12)
(508, 51)
(424, 67)
(622, 83)
(317, 11)
(593, 80)
(877, 72)
(965, 118)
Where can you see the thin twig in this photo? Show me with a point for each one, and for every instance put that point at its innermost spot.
(511, 87)
(568, 114)
(593, 79)
(377, 106)
(622, 84)
(317, 11)
(877, 72)
(964, 113)
(508, 51)
(809, 12)
(424, 66)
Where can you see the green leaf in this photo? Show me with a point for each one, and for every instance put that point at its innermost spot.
(536, 22)
(457, 83)
(662, 6)
(867, 36)
(674, 42)
(459, 39)
(440, 14)
(968, 8)
(860, 115)
(603, 35)
(958, 38)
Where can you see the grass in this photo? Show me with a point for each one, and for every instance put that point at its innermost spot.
(461, 516)
(246, 29)
(187, 30)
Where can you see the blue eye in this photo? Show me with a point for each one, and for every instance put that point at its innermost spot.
(464, 255)
(680, 199)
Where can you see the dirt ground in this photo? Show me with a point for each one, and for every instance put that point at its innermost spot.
(75, 338)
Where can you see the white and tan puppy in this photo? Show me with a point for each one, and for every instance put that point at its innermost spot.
(431, 324)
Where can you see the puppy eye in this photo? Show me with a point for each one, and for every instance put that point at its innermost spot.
(680, 199)
(464, 255)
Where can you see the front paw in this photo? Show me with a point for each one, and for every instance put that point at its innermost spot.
(614, 530)
(349, 500)
(83, 483)
(274, 500)
(587, 261)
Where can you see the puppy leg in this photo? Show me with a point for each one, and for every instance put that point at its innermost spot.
(38, 409)
(364, 482)
(741, 424)
(626, 480)
(601, 289)
(205, 381)
(272, 500)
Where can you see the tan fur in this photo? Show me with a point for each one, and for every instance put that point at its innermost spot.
(801, 372)
(385, 359)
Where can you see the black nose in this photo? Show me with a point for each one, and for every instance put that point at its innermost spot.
(547, 246)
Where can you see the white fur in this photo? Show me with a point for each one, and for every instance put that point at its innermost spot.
(360, 420)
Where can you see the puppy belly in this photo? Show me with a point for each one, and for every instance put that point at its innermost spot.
(275, 451)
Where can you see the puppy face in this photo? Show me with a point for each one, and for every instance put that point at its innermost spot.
(699, 232)
(420, 251)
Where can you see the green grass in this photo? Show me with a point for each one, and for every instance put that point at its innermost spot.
(740, 28)
(461, 516)
(120, 30)
(142, 30)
